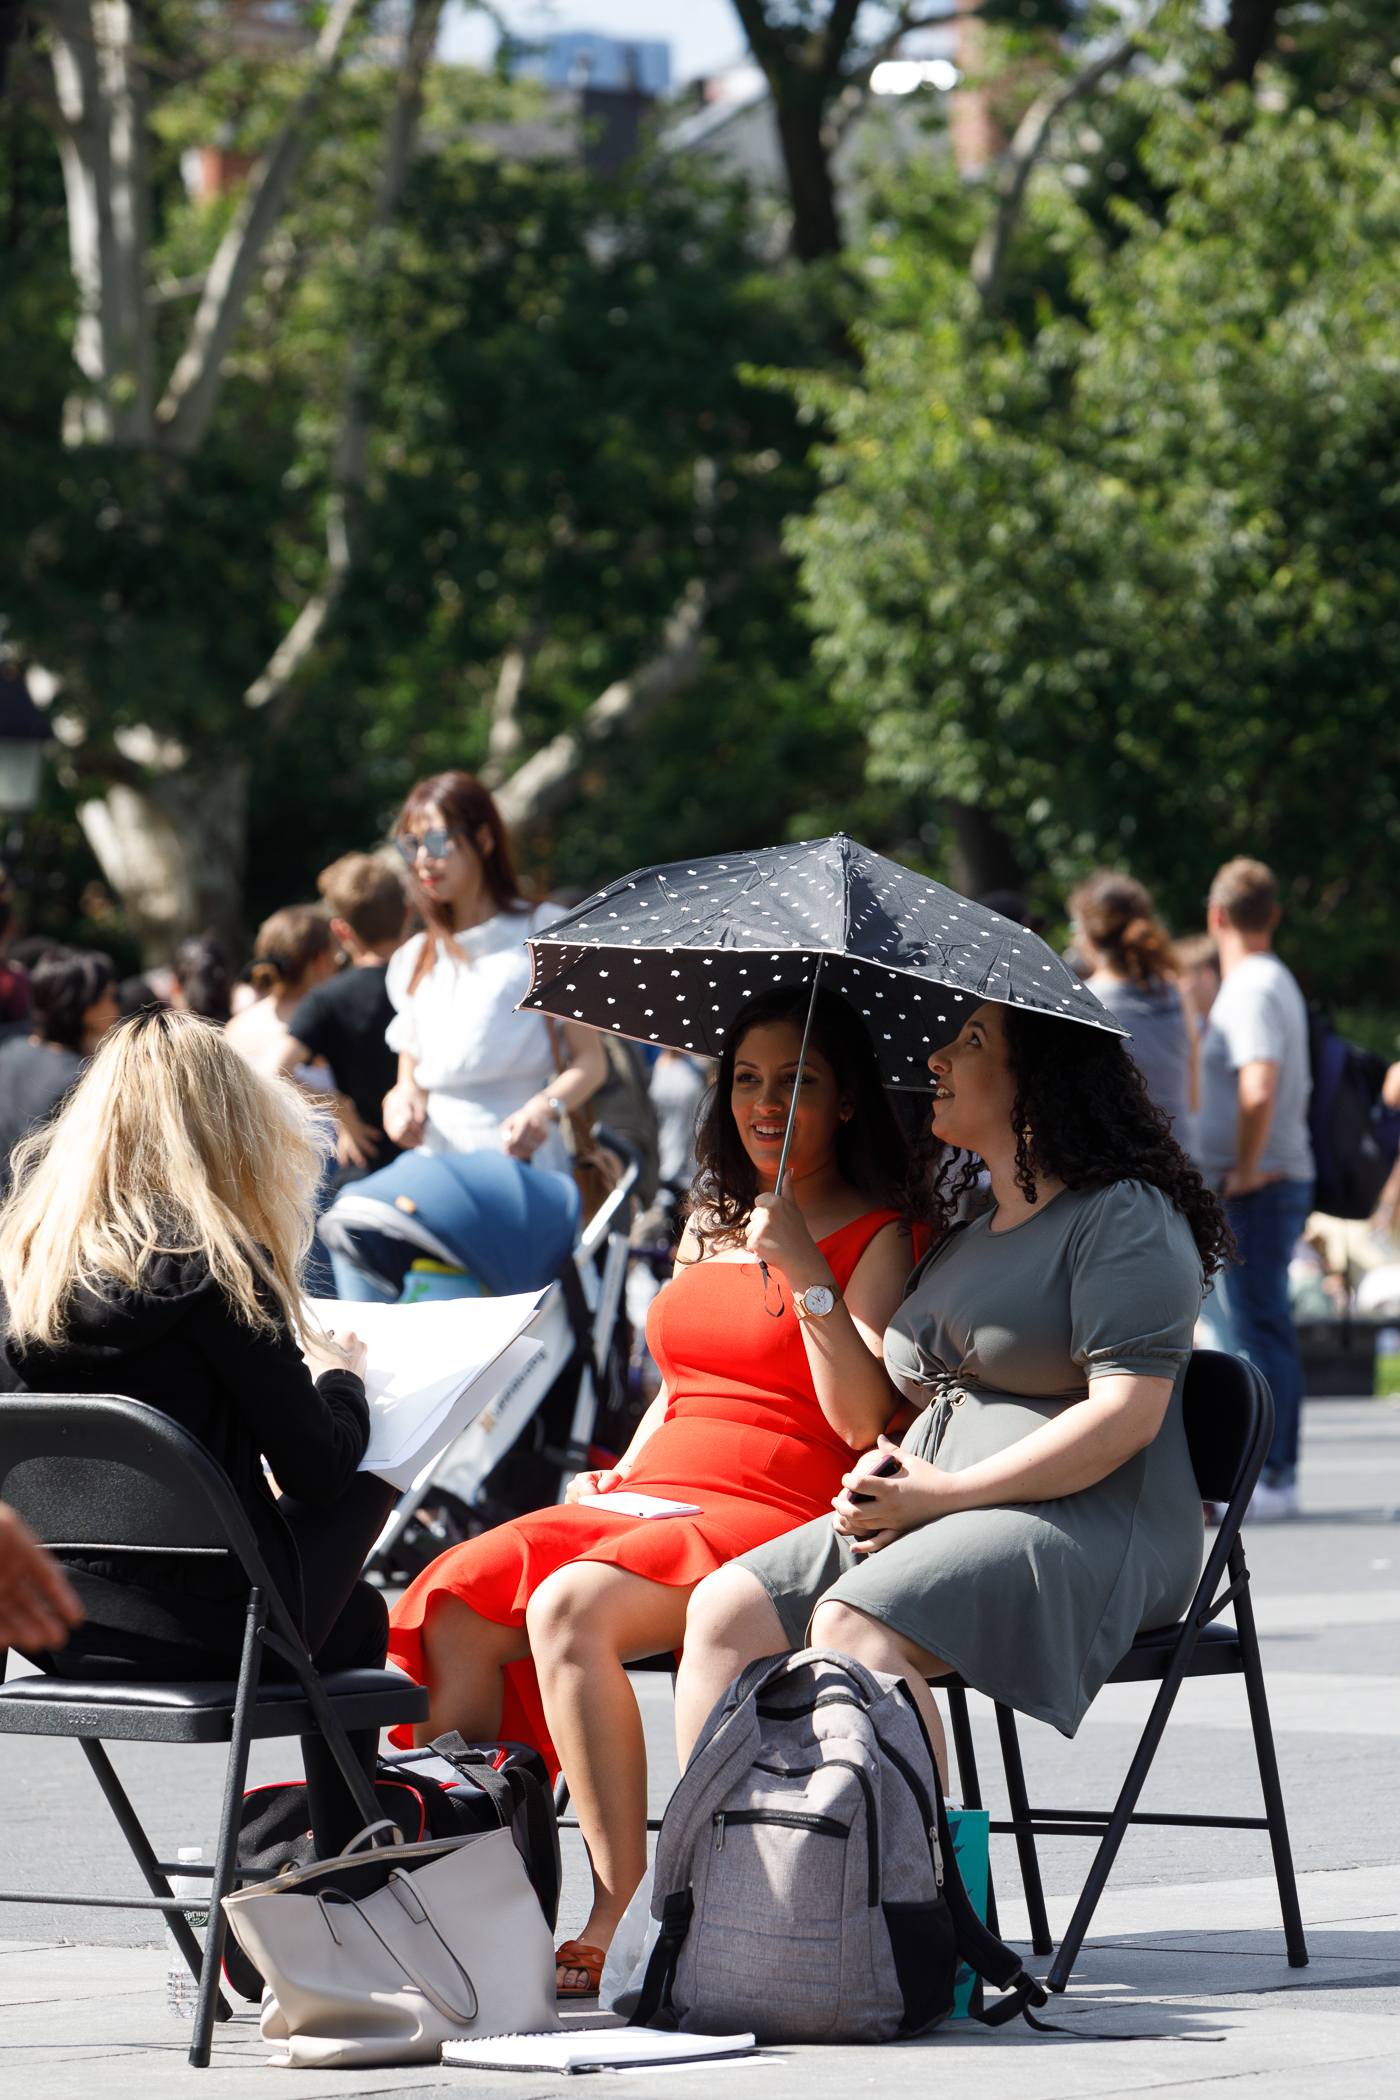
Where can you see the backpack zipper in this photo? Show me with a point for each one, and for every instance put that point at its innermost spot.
(843, 1764)
(925, 1806)
(793, 1818)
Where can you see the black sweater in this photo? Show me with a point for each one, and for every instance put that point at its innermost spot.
(179, 1345)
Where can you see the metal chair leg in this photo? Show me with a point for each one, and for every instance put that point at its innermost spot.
(1041, 1940)
(1268, 1767)
(1063, 1964)
(968, 1784)
(226, 1852)
(145, 1858)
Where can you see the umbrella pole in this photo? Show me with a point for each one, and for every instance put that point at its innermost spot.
(797, 1082)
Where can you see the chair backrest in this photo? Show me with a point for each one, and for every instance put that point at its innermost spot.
(1229, 1415)
(98, 1470)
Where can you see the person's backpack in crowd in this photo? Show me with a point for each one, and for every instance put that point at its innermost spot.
(449, 1789)
(1354, 1135)
(805, 1882)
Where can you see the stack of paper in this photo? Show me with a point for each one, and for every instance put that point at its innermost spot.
(432, 1368)
(601, 2049)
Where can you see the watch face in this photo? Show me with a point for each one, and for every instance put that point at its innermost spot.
(819, 1299)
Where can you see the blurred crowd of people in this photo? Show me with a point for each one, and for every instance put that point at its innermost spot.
(361, 1000)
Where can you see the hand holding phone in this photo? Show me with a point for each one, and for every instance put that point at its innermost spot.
(888, 1465)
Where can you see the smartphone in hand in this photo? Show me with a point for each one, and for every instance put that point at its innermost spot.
(888, 1464)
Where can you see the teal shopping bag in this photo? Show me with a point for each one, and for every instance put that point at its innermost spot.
(971, 1829)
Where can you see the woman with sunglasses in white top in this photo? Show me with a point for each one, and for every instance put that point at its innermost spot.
(475, 1075)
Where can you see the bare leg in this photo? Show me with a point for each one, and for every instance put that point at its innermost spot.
(463, 1657)
(869, 1641)
(584, 1622)
(731, 1623)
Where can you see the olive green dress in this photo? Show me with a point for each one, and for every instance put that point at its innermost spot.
(1032, 1603)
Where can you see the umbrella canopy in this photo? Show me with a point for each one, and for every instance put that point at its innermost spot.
(668, 954)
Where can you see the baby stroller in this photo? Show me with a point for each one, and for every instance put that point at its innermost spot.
(478, 1223)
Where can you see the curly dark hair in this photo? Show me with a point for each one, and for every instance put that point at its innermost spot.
(872, 1150)
(1083, 1114)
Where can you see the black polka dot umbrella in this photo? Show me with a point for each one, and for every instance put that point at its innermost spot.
(668, 955)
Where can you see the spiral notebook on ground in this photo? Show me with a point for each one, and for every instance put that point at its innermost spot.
(601, 2049)
(432, 1369)
(642, 1505)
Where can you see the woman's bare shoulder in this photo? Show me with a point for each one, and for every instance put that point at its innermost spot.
(889, 1253)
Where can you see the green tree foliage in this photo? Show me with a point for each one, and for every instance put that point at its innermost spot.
(1131, 578)
(559, 442)
(564, 441)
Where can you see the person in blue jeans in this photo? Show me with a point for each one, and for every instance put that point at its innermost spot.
(1252, 1145)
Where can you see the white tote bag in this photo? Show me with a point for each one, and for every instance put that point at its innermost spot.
(380, 1957)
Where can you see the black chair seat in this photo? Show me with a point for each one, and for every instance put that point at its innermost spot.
(1216, 1654)
(199, 1711)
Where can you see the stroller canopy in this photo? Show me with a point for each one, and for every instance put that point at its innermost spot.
(512, 1225)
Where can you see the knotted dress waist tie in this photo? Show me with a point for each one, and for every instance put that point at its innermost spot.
(947, 1393)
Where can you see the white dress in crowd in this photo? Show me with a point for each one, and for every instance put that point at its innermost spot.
(477, 1059)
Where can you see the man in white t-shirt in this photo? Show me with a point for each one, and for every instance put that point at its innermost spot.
(1252, 1146)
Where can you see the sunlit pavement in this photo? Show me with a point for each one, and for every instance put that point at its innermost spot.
(1186, 1959)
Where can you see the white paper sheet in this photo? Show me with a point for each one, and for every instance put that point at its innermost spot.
(642, 1505)
(431, 1369)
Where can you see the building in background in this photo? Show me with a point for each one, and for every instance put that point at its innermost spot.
(617, 82)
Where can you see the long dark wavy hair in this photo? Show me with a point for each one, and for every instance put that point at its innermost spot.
(872, 1150)
(1083, 1114)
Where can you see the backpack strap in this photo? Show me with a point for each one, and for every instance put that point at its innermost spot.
(676, 1914)
(999, 1964)
(476, 1766)
(536, 1808)
(980, 1948)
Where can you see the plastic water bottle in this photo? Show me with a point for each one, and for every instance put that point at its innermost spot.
(181, 1990)
(1387, 1361)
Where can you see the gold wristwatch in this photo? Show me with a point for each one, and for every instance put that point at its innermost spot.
(816, 1301)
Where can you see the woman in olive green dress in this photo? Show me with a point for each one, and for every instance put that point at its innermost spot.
(1042, 1509)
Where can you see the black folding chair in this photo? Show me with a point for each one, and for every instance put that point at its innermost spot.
(1229, 1413)
(104, 1476)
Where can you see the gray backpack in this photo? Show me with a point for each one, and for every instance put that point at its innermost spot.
(805, 1880)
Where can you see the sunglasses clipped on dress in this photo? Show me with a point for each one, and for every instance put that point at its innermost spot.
(435, 843)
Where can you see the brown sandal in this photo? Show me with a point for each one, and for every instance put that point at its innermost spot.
(574, 1954)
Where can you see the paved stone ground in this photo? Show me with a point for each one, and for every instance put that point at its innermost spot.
(1186, 1944)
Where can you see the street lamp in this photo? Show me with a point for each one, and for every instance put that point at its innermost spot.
(24, 731)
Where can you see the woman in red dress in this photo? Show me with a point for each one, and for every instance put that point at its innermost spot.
(770, 1384)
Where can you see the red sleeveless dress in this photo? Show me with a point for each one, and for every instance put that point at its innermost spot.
(743, 1435)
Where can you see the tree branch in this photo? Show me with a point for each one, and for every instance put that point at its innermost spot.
(503, 744)
(989, 256)
(853, 98)
(186, 410)
(547, 779)
(349, 461)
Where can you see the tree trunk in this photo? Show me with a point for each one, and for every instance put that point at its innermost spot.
(984, 858)
(802, 56)
(1250, 28)
(100, 90)
(816, 230)
(174, 851)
